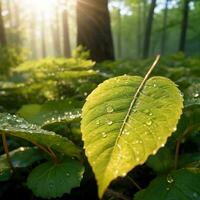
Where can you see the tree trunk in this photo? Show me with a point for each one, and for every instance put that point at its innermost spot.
(66, 45)
(119, 34)
(3, 40)
(94, 30)
(147, 35)
(43, 36)
(56, 34)
(184, 26)
(17, 22)
(33, 34)
(163, 41)
(139, 32)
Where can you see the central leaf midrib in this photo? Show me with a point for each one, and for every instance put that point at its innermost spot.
(132, 104)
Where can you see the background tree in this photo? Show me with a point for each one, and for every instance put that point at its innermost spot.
(3, 40)
(147, 34)
(94, 30)
(66, 40)
(184, 25)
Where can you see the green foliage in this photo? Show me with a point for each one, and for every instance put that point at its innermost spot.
(48, 95)
(50, 180)
(21, 158)
(10, 58)
(182, 184)
(127, 123)
(52, 112)
(18, 127)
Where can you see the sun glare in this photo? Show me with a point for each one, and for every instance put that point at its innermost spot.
(41, 6)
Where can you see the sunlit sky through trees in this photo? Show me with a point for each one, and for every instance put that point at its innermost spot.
(39, 22)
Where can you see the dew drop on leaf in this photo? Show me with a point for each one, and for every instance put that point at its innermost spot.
(104, 135)
(196, 95)
(170, 179)
(109, 122)
(109, 109)
(149, 123)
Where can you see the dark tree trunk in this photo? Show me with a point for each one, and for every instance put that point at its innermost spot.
(139, 32)
(119, 34)
(148, 30)
(184, 26)
(43, 36)
(3, 40)
(163, 41)
(94, 30)
(66, 45)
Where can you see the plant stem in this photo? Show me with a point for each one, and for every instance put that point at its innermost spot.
(178, 143)
(53, 156)
(5, 146)
(134, 183)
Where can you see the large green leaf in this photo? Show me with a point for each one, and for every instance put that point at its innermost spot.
(51, 112)
(16, 126)
(123, 125)
(182, 184)
(51, 180)
(20, 158)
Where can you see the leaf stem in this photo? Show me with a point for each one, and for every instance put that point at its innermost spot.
(54, 158)
(5, 146)
(134, 183)
(53, 154)
(138, 91)
(178, 143)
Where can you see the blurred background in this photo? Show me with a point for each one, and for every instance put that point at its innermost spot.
(140, 28)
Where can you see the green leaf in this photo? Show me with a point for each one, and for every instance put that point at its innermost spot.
(182, 184)
(192, 95)
(51, 180)
(16, 126)
(161, 162)
(120, 130)
(51, 112)
(20, 158)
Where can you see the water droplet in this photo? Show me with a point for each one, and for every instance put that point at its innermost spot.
(109, 122)
(104, 135)
(109, 109)
(196, 95)
(67, 174)
(21, 148)
(174, 129)
(149, 123)
(150, 114)
(125, 132)
(137, 159)
(154, 85)
(97, 122)
(167, 188)
(162, 145)
(195, 195)
(170, 179)
(154, 152)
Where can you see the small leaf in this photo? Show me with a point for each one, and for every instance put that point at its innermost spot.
(50, 180)
(51, 112)
(122, 126)
(18, 127)
(182, 184)
(20, 158)
(161, 162)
